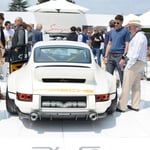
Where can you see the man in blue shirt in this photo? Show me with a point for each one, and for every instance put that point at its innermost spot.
(83, 37)
(117, 47)
(37, 34)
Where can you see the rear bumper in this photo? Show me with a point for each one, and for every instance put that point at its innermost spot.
(38, 115)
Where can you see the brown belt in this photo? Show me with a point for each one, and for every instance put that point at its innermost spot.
(116, 55)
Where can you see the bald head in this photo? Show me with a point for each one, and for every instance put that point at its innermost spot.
(39, 26)
(18, 21)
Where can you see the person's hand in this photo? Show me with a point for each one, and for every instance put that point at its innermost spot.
(122, 62)
(105, 60)
(1, 45)
(16, 50)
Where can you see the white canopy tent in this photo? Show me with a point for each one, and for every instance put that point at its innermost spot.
(58, 6)
(130, 17)
(144, 18)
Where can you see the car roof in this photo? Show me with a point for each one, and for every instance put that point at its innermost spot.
(61, 42)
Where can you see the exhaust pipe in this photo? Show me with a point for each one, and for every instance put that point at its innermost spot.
(34, 116)
(93, 116)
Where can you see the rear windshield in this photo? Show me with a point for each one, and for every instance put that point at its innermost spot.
(62, 54)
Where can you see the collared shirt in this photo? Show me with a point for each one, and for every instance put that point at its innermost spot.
(8, 37)
(137, 49)
(118, 38)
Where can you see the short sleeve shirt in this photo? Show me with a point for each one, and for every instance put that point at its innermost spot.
(118, 38)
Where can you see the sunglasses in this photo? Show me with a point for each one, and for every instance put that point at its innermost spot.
(117, 22)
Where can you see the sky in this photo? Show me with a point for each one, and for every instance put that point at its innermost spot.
(123, 7)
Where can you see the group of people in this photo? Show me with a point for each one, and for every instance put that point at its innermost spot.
(124, 49)
(18, 40)
(95, 40)
(19, 37)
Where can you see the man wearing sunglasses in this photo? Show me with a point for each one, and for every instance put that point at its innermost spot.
(117, 47)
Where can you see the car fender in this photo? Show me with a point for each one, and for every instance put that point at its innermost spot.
(20, 80)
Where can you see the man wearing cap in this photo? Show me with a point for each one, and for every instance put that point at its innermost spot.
(135, 65)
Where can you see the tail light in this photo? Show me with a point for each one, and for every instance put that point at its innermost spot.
(24, 97)
(101, 97)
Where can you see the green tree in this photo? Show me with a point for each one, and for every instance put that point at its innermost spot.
(71, 1)
(18, 5)
(42, 1)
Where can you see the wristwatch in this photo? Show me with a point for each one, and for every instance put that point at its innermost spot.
(124, 55)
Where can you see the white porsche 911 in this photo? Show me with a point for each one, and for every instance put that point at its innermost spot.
(61, 80)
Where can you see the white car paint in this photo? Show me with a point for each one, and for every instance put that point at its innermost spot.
(37, 79)
(130, 129)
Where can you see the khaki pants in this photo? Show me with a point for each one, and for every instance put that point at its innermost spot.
(131, 83)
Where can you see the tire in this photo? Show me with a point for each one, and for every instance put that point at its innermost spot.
(113, 106)
(10, 105)
(148, 79)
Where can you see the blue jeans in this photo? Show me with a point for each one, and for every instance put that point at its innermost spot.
(113, 63)
(97, 53)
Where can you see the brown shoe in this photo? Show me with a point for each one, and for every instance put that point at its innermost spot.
(2, 96)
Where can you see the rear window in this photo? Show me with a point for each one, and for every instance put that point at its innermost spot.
(62, 54)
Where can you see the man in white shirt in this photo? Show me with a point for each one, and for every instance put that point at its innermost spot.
(8, 33)
(136, 56)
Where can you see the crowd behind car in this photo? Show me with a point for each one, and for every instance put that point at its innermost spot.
(18, 37)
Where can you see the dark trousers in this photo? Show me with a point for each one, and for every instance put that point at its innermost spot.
(17, 54)
(113, 63)
(97, 53)
(7, 55)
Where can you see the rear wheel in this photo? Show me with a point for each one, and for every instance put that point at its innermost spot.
(113, 105)
(10, 105)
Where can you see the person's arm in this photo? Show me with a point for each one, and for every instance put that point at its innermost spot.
(126, 47)
(127, 40)
(21, 38)
(123, 60)
(107, 52)
(106, 39)
(101, 38)
(41, 36)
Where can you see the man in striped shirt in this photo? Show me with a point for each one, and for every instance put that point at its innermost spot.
(135, 65)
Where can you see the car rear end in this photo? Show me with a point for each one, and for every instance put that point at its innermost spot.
(64, 82)
(67, 92)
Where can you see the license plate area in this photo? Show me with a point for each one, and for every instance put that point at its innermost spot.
(63, 102)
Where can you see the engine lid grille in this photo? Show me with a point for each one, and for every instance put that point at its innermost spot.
(63, 80)
(63, 102)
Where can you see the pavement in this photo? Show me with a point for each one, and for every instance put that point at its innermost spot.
(119, 131)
